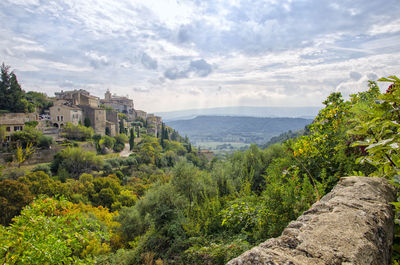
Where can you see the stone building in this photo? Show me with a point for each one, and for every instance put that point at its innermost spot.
(97, 117)
(112, 122)
(89, 107)
(61, 114)
(118, 103)
(140, 114)
(154, 124)
(78, 97)
(16, 121)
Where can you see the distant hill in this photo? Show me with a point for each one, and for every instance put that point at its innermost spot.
(292, 112)
(228, 129)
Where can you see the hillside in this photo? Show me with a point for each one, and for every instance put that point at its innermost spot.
(242, 111)
(236, 129)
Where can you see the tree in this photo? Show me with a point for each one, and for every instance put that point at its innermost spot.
(87, 122)
(22, 154)
(131, 138)
(2, 134)
(54, 231)
(29, 135)
(77, 132)
(162, 135)
(39, 100)
(122, 128)
(75, 161)
(45, 141)
(12, 96)
(13, 197)
(120, 141)
(107, 131)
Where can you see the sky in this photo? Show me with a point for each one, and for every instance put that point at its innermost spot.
(171, 55)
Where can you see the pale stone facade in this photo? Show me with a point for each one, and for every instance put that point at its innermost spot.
(97, 117)
(61, 114)
(16, 121)
(120, 104)
(140, 114)
(78, 97)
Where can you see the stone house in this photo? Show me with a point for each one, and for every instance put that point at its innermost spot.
(16, 121)
(78, 97)
(88, 105)
(61, 114)
(120, 104)
(140, 114)
(154, 124)
(97, 117)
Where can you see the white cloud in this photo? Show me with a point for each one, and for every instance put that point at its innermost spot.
(183, 54)
(391, 27)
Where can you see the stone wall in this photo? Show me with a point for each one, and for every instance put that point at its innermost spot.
(353, 224)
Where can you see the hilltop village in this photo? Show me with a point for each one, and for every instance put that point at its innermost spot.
(108, 116)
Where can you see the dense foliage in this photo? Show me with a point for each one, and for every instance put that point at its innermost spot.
(14, 99)
(168, 204)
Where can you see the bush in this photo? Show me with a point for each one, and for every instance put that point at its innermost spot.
(52, 231)
(76, 161)
(14, 173)
(13, 197)
(42, 167)
(45, 141)
(120, 141)
(27, 136)
(77, 132)
(107, 141)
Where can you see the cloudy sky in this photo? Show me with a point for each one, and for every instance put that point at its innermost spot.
(186, 54)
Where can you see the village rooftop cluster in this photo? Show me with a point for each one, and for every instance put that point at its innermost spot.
(79, 107)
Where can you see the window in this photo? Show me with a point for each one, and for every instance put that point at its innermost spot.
(8, 129)
(62, 118)
(17, 128)
(58, 118)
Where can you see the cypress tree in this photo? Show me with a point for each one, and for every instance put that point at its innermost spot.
(131, 138)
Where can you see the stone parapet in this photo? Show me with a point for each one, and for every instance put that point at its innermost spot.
(353, 224)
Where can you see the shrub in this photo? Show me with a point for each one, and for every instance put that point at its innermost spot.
(52, 231)
(42, 167)
(45, 141)
(76, 161)
(120, 141)
(77, 132)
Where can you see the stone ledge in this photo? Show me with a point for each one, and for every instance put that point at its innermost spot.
(353, 224)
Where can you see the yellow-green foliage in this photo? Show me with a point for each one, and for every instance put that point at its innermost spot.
(51, 231)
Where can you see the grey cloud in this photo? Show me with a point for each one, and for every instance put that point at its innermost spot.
(200, 67)
(196, 67)
(149, 62)
(67, 84)
(372, 76)
(97, 60)
(355, 76)
(140, 90)
(174, 73)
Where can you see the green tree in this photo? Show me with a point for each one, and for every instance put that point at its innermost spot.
(13, 197)
(120, 141)
(45, 141)
(12, 96)
(29, 135)
(39, 100)
(107, 131)
(76, 161)
(87, 122)
(131, 138)
(77, 132)
(53, 231)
